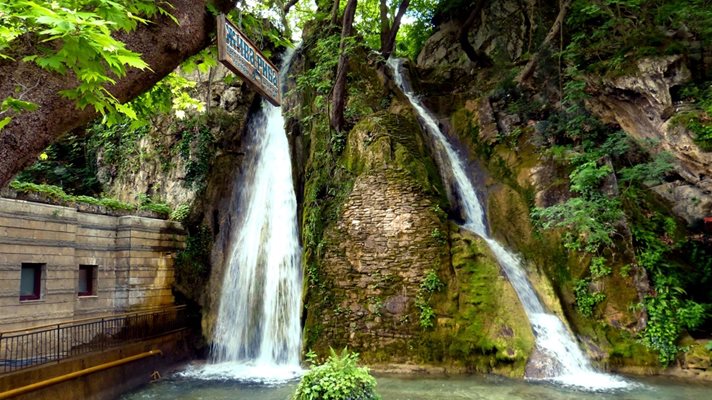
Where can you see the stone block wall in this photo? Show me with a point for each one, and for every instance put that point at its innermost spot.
(376, 257)
(133, 258)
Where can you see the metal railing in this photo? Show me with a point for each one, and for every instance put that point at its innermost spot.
(25, 348)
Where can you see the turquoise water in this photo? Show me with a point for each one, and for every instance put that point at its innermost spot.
(459, 388)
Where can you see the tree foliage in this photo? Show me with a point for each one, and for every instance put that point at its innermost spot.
(609, 34)
(77, 37)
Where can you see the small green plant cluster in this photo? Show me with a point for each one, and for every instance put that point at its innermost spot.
(599, 268)
(180, 213)
(585, 300)
(145, 202)
(431, 284)
(438, 235)
(339, 378)
(57, 193)
(192, 264)
(699, 121)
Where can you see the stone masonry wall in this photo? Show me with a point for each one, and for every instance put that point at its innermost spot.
(134, 258)
(377, 256)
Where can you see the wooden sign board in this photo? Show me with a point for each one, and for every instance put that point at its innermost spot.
(242, 57)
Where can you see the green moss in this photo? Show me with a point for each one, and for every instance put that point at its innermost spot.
(487, 330)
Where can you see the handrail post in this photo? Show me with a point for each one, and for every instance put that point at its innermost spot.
(58, 343)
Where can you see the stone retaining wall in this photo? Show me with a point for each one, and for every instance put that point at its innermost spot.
(133, 257)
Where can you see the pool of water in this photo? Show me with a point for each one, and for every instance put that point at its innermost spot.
(177, 387)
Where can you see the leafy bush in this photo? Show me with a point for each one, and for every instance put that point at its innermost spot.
(668, 315)
(192, 264)
(589, 224)
(431, 283)
(146, 203)
(585, 300)
(338, 378)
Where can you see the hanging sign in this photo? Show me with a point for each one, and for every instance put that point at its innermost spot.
(242, 57)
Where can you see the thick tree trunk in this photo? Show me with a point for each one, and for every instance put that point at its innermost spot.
(528, 71)
(337, 112)
(385, 25)
(475, 56)
(390, 43)
(162, 44)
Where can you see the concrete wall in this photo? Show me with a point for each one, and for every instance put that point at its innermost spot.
(134, 258)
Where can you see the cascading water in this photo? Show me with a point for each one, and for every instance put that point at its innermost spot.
(565, 362)
(257, 333)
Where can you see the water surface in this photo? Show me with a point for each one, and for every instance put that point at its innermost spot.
(456, 388)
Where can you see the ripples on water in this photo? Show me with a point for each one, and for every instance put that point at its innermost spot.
(186, 386)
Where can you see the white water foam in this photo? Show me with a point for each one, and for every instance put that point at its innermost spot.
(567, 364)
(257, 336)
(248, 372)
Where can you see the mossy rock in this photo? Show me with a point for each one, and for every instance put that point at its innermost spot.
(486, 329)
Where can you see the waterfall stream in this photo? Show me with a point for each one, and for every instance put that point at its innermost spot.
(564, 362)
(257, 336)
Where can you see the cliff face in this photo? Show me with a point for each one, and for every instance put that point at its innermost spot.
(642, 104)
(387, 274)
(390, 274)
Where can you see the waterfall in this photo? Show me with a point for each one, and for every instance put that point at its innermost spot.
(257, 331)
(564, 362)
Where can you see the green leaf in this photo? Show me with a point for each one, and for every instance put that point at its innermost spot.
(4, 122)
(18, 105)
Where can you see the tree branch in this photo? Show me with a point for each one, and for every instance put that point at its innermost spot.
(337, 113)
(528, 71)
(288, 5)
(163, 45)
(393, 32)
(475, 56)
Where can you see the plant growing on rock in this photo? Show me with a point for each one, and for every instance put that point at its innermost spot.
(430, 284)
(339, 378)
(585, 300)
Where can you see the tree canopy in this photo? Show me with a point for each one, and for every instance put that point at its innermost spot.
(62, 62)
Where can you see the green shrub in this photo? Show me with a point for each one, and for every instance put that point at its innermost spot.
(599, 268)
(668, 316)
(338, 378)
(427, 314)
(180, 213)
(585, 300)
(431, 283)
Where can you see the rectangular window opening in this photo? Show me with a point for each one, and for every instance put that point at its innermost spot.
(87, 280)
(30, 281)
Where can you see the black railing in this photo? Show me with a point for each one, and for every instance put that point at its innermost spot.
(51, 343)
